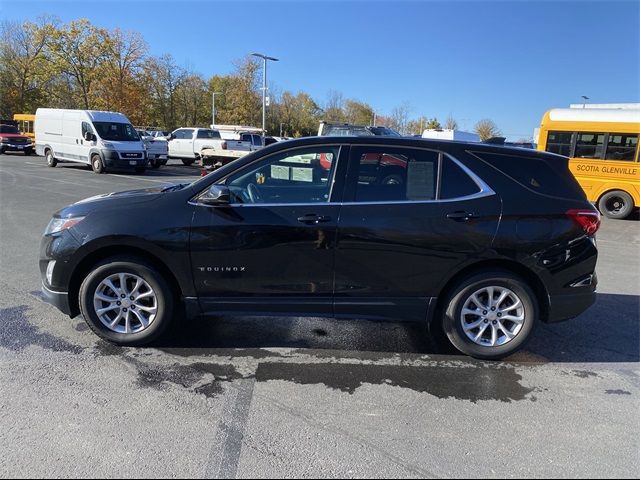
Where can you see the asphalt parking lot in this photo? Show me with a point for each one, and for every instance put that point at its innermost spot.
(274, 397)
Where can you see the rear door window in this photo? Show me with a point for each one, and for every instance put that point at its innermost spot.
(384, 174)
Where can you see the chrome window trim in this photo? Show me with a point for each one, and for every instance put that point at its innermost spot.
(485, 190)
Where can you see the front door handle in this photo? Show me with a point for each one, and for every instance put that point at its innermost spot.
(461, 216)
(313, 219)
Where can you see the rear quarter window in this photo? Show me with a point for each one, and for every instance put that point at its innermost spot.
(548, 176)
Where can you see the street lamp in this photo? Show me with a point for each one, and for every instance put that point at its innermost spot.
(213, 107)
(264, 88)
(585, 98)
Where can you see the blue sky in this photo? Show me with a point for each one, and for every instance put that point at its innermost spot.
(508, 61)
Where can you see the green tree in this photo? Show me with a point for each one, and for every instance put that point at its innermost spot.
(119, 85)
(24, 66)
(162, 77)
(358, 113)
(299, 115)
(79, 50)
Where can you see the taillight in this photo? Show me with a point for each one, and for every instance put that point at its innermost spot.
(224, 145)
(589, 220)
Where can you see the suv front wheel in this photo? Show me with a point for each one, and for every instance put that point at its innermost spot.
(126, 301)
(490, 315)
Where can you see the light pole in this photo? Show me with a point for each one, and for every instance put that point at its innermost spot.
(584, 98)
(281, 129)
(213, 108)
(264, 88)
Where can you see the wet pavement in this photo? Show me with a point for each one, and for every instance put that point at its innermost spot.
(280, 397)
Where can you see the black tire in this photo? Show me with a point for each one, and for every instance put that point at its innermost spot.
(141, 169)
(97, 164)
(616, 204)
(2, 151)
(51, 160)
(155, 163)
(136, 266)
(27, 152)
(188, 161)
(452, 314)
(164, 162)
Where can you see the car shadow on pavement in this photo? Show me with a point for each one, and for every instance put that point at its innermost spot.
(608, 332)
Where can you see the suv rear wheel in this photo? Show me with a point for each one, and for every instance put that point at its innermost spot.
(188, 161)
(616, 204)
(490, 315)
(126, 301)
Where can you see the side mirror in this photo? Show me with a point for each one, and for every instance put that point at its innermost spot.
(89, 137)
(170, 137)
(216, 195)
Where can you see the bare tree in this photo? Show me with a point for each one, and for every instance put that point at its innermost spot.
(334, 108)
(451, 123)
(486, 129)
(400, 118)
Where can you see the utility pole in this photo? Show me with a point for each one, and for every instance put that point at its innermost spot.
(264, 88)
(281, 129)
(213, 107)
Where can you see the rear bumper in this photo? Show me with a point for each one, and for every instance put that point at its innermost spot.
(566, 307)
(60, 300)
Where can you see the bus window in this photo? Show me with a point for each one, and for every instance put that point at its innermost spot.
(560, 143)
(621, 146)
(589, 145)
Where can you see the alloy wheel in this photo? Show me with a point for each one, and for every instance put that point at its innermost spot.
(125, 303)
(492, 316)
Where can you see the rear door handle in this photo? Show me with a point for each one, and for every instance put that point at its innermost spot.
(313, 219)
(461, 216)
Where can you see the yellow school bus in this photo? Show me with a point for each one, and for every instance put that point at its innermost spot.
(602, 145)
(25, 124)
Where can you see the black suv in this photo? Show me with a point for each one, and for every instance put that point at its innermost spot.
(476, 241)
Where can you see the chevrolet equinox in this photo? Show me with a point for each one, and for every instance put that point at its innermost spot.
(477, 241)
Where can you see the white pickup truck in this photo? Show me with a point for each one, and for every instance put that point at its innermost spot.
(188, 144)
(156, 147)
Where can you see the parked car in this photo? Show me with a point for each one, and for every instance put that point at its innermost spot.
(104, 140)
(187, 144)
(160, 133)
(477, 242)
(350, 130)
(11, 140)
(157, 148)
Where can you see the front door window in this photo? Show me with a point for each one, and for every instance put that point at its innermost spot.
(292, 177)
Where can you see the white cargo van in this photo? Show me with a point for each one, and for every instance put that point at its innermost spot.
(104, 140)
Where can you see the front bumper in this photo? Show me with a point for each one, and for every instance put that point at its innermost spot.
(112, 159)
(16, 147)
(60, 300)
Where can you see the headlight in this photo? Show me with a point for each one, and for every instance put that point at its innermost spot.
(59, 224)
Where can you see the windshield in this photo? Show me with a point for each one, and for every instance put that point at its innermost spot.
(8, 129)
(385, 131)
(116, 131)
